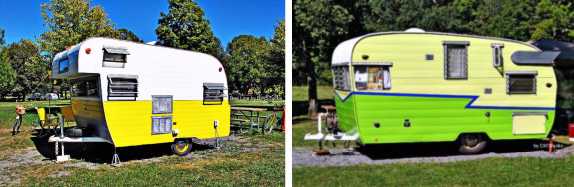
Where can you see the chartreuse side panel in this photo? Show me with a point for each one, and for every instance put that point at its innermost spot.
(130, 122)
(345, 112)
(439, 109)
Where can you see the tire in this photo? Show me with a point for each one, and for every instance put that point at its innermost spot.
(269, 122)
(181, 146)
(472, 143)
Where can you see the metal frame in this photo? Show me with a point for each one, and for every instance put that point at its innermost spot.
(153, 97)
(497, 54)
(446, 45)
(510, 73)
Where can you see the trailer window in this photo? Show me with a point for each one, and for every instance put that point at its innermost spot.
(341, 78)
(162, 104)
(213, 93)
(161, 124)
(497, 54)
(115, 57)
(63, 66)
(372, 77)
(125, 86)
(85, 87)
(521, 82)
(455, 60)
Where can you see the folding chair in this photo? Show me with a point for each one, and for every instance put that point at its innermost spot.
(46, 122)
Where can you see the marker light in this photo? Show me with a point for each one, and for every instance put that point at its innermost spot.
(220, 68)
(88, 50)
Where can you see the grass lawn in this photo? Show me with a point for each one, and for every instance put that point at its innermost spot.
(265, 167)
(522, 171)
(301, 93)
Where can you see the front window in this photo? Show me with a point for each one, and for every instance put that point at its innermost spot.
(372, 78)
(85, 87)
(341, 78)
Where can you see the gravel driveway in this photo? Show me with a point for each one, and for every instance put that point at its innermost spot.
(427, 152)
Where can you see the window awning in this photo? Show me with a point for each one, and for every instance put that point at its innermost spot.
(534, 57)
(116, 50)
(214, 86)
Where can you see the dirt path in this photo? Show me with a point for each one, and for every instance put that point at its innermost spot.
(413, 153)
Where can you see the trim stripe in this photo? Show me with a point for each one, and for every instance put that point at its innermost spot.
(468, 106)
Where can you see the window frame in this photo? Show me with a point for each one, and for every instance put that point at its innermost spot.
(67, 65)
(95, 78)
(446, 45)
(215, 99)
(170, 109)
(509, 74)
(347, 85)
(114, 63)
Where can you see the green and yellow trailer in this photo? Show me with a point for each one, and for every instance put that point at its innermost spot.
(416, 86)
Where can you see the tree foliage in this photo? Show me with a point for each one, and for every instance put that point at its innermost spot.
(246, 65)
(125, 34)
(27, 65)
(2, 33)
(184, 27)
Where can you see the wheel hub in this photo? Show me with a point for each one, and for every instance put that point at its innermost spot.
(181, 144)
(470, 140)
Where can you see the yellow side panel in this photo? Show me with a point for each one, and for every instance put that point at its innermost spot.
(90, 109)
(130, 121)
(529, 124)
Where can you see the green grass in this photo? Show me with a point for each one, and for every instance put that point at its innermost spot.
(522, 171)
(301, 93)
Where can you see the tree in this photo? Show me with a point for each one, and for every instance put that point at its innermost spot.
(184, 27)
(28, 67)
(554, 21)
(317, 27)
(277, 59)
(128, 35)
(7, 74)
(2, 33)
(246, 66)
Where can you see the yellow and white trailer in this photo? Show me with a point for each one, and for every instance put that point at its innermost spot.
(129, 94)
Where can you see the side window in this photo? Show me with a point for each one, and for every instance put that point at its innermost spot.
(497, 54)
(85, 87)
(162, 104)
(213, 93)
(456, 60)
(63, 66)
(115, 57)
(122, 87)
(161, 124)
(521, 82)
(372, 77)
(341, 78)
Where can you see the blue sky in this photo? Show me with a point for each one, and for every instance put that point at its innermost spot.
(229, 18)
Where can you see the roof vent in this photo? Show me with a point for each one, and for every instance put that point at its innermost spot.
(414, 29)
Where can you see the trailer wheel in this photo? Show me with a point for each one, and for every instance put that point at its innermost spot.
(472, 143)
(181, 147)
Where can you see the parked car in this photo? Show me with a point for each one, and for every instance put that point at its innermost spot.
(52, 96)
(36, 97)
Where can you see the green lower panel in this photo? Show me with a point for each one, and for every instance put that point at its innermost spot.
(431, 119)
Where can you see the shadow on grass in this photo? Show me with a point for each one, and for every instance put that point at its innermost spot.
(102, 153)
(419, 150)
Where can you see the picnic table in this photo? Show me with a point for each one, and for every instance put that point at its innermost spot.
(248, 113)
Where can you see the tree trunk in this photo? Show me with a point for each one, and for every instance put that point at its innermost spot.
(312, 82)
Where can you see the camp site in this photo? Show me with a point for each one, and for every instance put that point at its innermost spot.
(427, 93)
(157, 93)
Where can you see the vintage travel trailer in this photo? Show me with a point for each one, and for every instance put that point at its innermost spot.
(417, 86)
(128, 94)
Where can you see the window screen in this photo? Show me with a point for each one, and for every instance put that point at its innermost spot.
(341, 78)
(122, 85)
(497, 54)
(456, 60)
(372, 77)
(520, 83)
(162, 104)
(161, 124)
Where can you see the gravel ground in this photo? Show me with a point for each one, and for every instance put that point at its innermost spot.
(413, 153)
